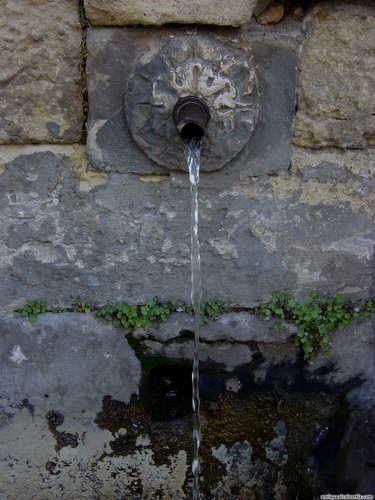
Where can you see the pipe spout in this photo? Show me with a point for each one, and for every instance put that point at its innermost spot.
(191, 115)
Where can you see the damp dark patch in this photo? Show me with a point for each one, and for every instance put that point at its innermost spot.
(51, 467)
(166, 392)
(125, 421)
(116, 415)
(63, 438)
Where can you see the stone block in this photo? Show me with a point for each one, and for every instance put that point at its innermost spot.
(218, 12)
(40, 94)
(110, 143)
(337, 77)
(65, 362)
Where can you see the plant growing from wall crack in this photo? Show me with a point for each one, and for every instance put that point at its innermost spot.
(316, 317)
(128, 315)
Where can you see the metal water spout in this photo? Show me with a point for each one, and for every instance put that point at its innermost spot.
(191, 115)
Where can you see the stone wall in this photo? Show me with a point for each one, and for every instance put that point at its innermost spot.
(87, 215)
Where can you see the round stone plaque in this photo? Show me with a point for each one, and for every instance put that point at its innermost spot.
(222, 73)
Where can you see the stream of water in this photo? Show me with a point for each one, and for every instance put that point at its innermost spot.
(192, 153)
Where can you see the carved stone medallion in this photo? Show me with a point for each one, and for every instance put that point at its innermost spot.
(220, 72)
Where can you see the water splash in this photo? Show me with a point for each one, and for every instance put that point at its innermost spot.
(192, 153)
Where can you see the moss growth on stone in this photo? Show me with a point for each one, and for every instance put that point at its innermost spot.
(231, 419)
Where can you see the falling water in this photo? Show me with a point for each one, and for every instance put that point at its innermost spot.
(192, 153)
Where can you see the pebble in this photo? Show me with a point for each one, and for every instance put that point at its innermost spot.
(272, 14)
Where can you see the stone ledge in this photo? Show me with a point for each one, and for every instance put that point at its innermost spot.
(231, 327)
(120, 12)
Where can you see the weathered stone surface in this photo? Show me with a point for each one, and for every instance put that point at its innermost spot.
(65, 362)
(119, 12)
(30, 462)
(69, 231)
(272, 14)
(336, 85)
(111, 148)
(326, 245)
(40, 95)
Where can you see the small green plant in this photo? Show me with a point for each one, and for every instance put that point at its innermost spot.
(128, 315)
(33, 308)
(315, 317)
(209, 309)
(82, 306)
(131, 316)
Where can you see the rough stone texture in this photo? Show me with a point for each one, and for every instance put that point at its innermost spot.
(60, 367)
(69, 231)
(66, 362)
(120, 12)
(111, 148)
(336, 85)
(221, 73)
(40, 95)
(29, 462)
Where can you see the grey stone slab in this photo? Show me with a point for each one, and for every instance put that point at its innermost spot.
(66, 362)
(69, 234)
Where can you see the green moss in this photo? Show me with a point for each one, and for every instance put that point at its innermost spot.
(228, 420)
